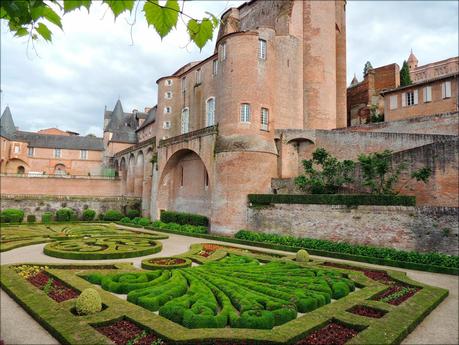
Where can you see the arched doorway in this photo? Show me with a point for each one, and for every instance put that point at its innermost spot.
(59, 170)
(16, 166)
(21, 170)
(185, 184)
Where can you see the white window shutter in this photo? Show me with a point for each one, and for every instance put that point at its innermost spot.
(404, 99)
(447, 89)
(416, 97)
(443, 90)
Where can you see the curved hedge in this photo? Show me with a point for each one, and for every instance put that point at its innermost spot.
(435, 259)
(147, 264)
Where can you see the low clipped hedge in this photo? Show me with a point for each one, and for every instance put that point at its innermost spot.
(333, 199)
(434, 259)
(12, 215)
(184, 218)
(65, 215)
(47, 217)
(89, 214)
(112, 215)
(148, 265)
(186, 228)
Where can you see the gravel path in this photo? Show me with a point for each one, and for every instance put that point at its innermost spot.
(17, 327)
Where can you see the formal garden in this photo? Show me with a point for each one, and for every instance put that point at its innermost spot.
(214, 292)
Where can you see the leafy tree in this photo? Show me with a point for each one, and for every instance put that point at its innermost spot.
(375, 115)
(32, 17)
(381, 176)
(367, 68)
(405, 78)
(332, 175)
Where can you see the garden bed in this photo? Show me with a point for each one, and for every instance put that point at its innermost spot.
(165, 263)
(53, 287)
(367, 311)
(334, 333)
(125, 332)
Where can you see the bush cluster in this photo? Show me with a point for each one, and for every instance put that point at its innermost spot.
(333, 199)
(89, 302)
(89, 214)
(66, 214)
(184, 218)
(47, 217)
(12, 215)
(193, 229)
(112, 215)
(436, 259)
(131, 214)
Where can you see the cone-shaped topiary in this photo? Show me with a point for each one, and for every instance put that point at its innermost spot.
(88, 302)
(302, 256)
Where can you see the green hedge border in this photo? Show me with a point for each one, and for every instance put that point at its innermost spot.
(147, 265)
(337, 255)
(333, 199)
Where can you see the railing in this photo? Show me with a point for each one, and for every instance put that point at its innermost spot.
(137, 146)
(188, 136)
(36, 175)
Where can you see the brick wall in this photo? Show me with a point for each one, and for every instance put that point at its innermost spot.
(424, 229)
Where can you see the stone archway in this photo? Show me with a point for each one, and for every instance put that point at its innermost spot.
(184, 184)
(13, 165)
(147, 182)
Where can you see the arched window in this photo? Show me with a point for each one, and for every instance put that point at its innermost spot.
(206, 179)
(181, 176)
(21, 170)
(59, 169)
(185, 120)
(210, 111)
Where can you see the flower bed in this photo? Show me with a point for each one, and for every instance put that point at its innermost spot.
(364, 310)
(53, 287)
(332, 334)
(125, 332)
(165, 263)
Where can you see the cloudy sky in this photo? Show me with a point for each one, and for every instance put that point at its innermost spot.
(93, 61)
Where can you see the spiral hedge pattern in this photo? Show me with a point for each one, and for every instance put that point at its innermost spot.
(236, 291)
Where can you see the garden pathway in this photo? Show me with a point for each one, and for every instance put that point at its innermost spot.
(18, 327)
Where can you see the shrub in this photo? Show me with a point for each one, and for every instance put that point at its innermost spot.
(131, 214)
(333, 199)
(31, 218)
(143, 221)
(65, 214)
(89, 302)
(101, 216)
(184, 218)
(177, 227)
(135, 220)
(47, 217)
(12, 215)
(436, 259)
(113, 215)
(302, 256)
(125, 220)
(89, 214)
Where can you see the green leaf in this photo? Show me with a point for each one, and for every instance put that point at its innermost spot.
(43, 11)
(215, 20)
(119, 6)
(162, 18)
(44, 32)
(70, 5)
(201, 32)
(21, 32)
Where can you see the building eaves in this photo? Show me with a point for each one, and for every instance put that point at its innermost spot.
(424, 82)
(72, 142)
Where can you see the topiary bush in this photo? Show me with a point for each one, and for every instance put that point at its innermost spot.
(113, 215)
(143, 221)
(47, 217)
(302, 256)
(31, 218)
(89, 302)
(12, 215)
(184, 218)
(131, 214)
(125, 220)
(89, 214)
(65, 214)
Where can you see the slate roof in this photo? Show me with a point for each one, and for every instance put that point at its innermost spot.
(122, 125)
(151, 118)
(71, 142)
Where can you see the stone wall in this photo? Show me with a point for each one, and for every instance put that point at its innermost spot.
(37, 205)
(424, 229)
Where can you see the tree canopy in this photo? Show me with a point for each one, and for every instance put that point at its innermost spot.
(405, 78)
(33, 17)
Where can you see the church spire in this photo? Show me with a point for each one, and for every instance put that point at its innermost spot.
(7, 126)
(412, 61)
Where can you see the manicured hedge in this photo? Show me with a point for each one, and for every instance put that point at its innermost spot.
(333, 199)
(89, 214)
(184, 218)
(435, 259)
(131, 214)
(47, 217)
(65, 215)
(112, 215)
(12, 215)
(177, 227)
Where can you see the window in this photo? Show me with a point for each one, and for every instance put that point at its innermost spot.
(428, 94)
(168, 82)
(181, 176)
(411, 98)
(393, 102)
(245, 112)
(166, 124)
(210, 111)
(185, 120)
(17, 149)
(446, 89)
(83, 154)
(215, 67)
(198, 76)
(183, 84)
(206, 179)
(57, 153)
(262, 49)
(264, 119)
(30, 152)
(223, 52)
(167, 110)
(168, 95)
